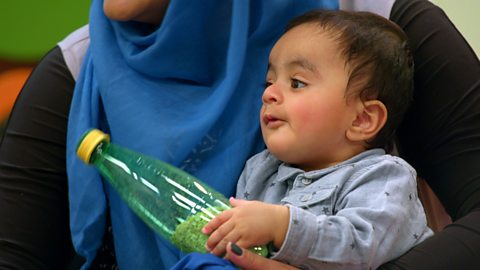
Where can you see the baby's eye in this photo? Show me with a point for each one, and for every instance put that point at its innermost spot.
(267, 84)
(297, 84)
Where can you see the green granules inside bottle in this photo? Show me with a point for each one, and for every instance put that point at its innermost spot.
(188, 236)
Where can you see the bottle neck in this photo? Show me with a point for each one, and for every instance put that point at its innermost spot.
(99, 151)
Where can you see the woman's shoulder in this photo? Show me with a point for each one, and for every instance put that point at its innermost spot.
(74, 48)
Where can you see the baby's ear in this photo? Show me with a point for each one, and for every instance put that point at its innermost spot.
(371, 117)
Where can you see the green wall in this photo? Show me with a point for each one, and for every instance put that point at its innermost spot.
(29, 28)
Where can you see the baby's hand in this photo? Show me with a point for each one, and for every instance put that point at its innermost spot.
(248, 223)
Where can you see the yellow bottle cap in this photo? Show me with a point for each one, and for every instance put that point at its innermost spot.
(89, 142)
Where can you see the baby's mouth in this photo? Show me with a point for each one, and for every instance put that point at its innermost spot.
(271, 121)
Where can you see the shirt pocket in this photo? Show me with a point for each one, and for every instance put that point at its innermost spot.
(318, 200)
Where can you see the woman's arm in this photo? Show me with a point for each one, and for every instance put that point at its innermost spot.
(34, 231)
(440, 136)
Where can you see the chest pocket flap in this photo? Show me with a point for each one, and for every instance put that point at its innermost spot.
(319, 200)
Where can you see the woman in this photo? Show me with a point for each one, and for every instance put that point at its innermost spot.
(33, 182)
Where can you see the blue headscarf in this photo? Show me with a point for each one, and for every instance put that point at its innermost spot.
(187, 92)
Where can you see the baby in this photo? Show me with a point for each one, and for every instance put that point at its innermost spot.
(325, 194)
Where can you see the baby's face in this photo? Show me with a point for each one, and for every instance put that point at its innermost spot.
(305, 113)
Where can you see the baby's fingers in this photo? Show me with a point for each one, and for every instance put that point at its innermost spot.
(216, 222)
(218, 240)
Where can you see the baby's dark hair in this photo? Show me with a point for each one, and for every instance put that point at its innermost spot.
(378, 59)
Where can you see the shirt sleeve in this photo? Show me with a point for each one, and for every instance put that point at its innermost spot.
(376, 218)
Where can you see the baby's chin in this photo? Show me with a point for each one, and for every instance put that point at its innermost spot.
(285, 155)
(282, 154)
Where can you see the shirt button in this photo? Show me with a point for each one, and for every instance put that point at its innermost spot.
(306, 181)
(306, 197)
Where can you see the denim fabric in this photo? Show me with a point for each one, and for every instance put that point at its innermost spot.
(357, 214)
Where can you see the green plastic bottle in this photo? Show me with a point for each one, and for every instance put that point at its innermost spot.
(172, 202)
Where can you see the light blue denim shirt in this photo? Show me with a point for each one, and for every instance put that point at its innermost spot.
(355, 215)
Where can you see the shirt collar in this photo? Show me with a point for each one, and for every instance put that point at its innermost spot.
(286, 171)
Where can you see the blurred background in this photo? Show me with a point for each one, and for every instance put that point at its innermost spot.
(30, 28)
(465, 15)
